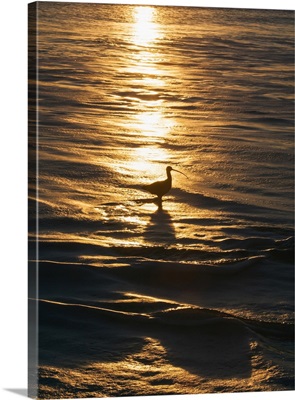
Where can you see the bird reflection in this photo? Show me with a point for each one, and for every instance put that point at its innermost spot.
(160, 228)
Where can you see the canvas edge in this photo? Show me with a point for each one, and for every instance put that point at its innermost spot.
(32, 15)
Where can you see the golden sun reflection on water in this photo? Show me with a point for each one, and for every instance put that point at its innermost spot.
(148, 162)
(149, 121)
(145, 29)
(152, 123)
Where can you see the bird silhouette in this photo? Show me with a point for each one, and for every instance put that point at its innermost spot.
(160, 188)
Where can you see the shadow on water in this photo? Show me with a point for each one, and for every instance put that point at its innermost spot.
(160, 228)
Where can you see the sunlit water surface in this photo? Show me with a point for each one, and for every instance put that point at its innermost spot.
(196, 296)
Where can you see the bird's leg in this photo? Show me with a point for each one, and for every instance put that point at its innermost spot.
(159, 201)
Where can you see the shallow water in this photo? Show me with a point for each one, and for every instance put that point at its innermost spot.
(195, 296)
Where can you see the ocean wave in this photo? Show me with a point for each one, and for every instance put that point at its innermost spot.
(81, 336)
(179, 316)
(280, 247)
(100, 276)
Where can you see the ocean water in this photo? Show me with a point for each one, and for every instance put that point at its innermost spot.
(196, 296)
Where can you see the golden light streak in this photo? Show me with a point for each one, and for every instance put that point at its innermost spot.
(145, 29)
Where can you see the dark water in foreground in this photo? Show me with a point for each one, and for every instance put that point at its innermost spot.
(196, 297)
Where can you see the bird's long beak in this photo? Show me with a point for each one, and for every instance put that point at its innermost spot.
(179, 172)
